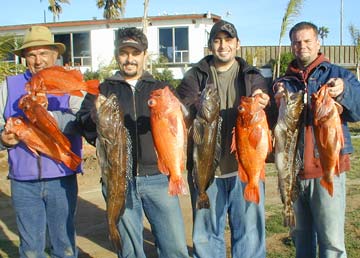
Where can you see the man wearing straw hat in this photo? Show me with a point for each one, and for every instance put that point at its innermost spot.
(43, 191)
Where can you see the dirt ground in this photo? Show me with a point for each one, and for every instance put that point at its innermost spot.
(92, 237)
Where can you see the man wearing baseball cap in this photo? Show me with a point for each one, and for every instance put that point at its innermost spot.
(233, 78)
(147, 191)
(43, 191)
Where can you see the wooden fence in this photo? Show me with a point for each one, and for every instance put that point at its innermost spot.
(262, 55)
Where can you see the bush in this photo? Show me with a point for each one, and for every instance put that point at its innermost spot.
(285, 60)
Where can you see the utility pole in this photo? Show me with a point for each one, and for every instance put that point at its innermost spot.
(341, 20)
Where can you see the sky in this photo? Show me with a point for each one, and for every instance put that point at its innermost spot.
(258, 22)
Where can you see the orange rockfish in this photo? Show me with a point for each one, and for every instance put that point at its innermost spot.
(37, 114)
(38, 141)
(251, 144)
(170, 137)
(58, 81)
(328, 135)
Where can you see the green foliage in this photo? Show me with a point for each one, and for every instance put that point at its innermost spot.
(7, 69)
(105, 71)
(274, 223)
(323, 33)
(292, 10)
(285, 60)
(7, 44)
(113, 9)
(161, 72)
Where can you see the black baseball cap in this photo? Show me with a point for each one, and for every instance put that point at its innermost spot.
(222, 26)
(131, 37)
(132, 43)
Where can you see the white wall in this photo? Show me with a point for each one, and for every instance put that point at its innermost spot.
(102, 47)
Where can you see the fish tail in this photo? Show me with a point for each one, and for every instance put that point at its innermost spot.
(329, 186)
(93, 87)
(115, 237)
(177, 186)
(251, 193)
(203, 201)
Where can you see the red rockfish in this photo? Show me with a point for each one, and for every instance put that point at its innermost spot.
(58, 81)
(251, 143)
(170, 137)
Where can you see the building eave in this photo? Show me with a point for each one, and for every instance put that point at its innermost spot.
(107, 23)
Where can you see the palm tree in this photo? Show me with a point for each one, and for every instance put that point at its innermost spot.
(292, 10)
(113, 9)
(55, 7)
(323, 33)
(355, 35)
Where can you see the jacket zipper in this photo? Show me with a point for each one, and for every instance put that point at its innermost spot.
(136, 129)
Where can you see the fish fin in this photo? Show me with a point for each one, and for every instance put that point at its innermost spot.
(76, 73)
(323, 138)
(77, 93)
(262, 174)
(71, 160)
(255, 136)
(270, 142)
(203, 201)
(251, 193)
(197, 132)
(93, 87)
(233, 142)
(242, 174)
(339, 108)
(173, 125)
(329, 186)
(177, 186)
(33, 151)
(162, 168)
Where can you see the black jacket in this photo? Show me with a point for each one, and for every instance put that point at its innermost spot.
(136, 116)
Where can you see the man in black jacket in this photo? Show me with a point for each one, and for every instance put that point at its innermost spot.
(148, 189)
(233, 78)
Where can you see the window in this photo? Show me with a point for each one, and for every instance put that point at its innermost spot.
(174, 44)
(78, 51)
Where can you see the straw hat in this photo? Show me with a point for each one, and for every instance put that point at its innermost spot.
(38, 36)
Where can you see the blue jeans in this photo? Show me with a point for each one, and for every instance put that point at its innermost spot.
(320, 219)
(42, 206)
(246, 221)
(149, 195)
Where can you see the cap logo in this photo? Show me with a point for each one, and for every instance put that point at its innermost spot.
(230, 29)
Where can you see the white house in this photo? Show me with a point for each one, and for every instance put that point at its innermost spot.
(182, 39)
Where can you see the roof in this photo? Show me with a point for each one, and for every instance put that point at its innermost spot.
(107, 23)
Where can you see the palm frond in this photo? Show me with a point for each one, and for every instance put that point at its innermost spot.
(292, 10)
(113, 9)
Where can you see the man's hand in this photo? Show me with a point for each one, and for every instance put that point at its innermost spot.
(336, 87)
(279, 93)
(264, 98)
(9, 139)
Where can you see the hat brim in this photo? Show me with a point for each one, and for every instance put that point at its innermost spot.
(133, 45)
(20, 51)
